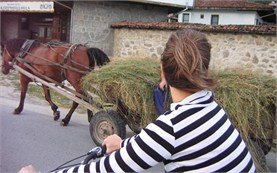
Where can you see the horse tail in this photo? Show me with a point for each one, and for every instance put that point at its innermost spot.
(97, 55)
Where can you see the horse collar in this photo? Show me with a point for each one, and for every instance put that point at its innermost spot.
(25, 48)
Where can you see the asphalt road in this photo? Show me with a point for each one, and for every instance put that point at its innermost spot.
(34, 138)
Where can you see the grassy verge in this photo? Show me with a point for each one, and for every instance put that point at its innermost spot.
(35, 90)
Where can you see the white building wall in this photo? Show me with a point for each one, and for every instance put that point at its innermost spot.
(177, 3)
(225, 17)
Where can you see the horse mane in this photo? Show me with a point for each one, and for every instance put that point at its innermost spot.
(14, 45)
(55, 43)
(96, 54)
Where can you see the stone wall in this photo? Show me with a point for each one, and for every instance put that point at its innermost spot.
(91, 20)
(229, 50)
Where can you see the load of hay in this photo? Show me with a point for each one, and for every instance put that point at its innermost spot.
(127, 83)
(249, 99)
(250, 102)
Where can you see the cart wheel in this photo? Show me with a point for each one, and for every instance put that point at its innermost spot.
(103, 124)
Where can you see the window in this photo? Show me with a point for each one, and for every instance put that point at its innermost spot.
(186, 17)
(24, 23)
(48, 32)
(41, 31)
(258, 22)
(214, 20)
(44, 32)
(201, 16)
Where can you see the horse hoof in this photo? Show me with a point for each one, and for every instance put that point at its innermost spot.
(56, 115)
(16, 111)
(63, 123)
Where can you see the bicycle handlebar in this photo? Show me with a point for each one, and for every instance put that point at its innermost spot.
(94, 153)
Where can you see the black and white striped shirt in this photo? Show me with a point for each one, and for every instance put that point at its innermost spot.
(195, 135)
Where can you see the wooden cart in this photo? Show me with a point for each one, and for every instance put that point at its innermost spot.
(105, 120)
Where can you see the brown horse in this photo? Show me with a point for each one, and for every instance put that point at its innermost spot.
(54, 60)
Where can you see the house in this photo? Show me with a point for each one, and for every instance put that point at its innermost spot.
(91, 20)
(228, 12)
(86, 22)
(42, 20)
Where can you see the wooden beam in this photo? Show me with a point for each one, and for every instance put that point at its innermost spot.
(92, 107)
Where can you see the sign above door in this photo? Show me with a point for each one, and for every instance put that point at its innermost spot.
(34, 6)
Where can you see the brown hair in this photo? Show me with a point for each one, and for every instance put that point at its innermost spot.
(186, 59)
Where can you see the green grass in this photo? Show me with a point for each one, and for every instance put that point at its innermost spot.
(36, 90)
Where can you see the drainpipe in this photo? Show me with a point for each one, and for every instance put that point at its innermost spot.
(62, 4)
(71, 26)
(186, 8)
(177, 14)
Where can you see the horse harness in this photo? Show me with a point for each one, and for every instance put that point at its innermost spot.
(24, 50)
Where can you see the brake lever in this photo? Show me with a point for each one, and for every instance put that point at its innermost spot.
(94, 153)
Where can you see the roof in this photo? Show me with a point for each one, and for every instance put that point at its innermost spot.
(248, 29)
(169, 3)
(230, 4)
(26, 0)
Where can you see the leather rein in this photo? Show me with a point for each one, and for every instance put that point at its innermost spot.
(63, 66)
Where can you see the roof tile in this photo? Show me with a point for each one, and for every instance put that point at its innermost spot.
(249, 29)
(230, 4)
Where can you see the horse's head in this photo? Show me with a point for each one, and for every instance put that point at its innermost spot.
(7, 61)
(9, 50)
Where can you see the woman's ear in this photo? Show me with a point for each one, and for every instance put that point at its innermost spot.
(163, 82)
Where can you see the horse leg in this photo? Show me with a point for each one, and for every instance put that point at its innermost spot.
(54, 107)
(24, 81)
(67, 118)
(90, 114)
